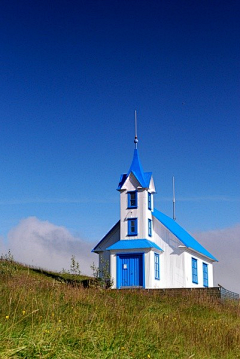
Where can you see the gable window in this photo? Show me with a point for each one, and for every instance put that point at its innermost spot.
(156, 266)
(132, 199)
(150, 227)
(194, 271)
(132, 226)
(205, 275)
(149, 201)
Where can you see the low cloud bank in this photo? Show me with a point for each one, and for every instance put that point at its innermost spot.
(43, 244)
(224, 244)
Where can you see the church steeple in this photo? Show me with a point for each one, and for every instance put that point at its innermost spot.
(136, 189)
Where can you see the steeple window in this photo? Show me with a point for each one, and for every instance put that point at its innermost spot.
(150, 227)
(132, 226)
(132, 199)
(149, 201)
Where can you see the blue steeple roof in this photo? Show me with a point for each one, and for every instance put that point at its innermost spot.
(137, 170)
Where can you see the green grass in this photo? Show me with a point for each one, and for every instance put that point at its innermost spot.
(41, 317)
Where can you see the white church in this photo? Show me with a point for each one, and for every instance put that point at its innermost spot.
(146, 248)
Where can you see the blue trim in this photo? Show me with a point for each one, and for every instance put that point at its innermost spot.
(205, 275)
(194, 271)
(119, 269)
(126, 244)
(157, 266)
(149, 227)
(132, 226)
(132, 199)
(181, 234)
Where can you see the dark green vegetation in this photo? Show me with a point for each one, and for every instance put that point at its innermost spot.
(45, 317)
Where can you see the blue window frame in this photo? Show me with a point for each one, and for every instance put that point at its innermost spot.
(132, 227)
(205, 275)
(194, 271)
(156, 266)
(149, 201)
(132, 199)
(150, 227)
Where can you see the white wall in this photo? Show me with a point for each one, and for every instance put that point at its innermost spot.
(151, 282)
(188, 269)
(172, 270)
(176, 263)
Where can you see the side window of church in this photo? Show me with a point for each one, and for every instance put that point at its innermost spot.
(205, 275)
(132, 199)
(194, 271)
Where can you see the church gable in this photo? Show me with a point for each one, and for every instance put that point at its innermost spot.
(109, 239)
(131, 183)
(151, 185)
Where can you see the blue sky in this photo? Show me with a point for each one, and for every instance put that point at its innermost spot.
(73, 72)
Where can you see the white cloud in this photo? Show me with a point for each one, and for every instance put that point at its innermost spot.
(43, 244)
(224, 244)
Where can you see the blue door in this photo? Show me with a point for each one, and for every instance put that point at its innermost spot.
(130, 270)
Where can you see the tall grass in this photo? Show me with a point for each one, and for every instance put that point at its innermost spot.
(41, 318)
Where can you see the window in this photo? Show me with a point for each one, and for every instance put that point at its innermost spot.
(132, 226)
(132, 199)
(194, 271)
(156, 266)
(205, 275)
(149, 201)
(150, 227)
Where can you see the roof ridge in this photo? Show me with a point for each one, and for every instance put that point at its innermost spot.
(189, 241)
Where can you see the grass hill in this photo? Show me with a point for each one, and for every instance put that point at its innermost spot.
(43, 316)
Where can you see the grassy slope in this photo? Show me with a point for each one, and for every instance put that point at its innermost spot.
(43, 318)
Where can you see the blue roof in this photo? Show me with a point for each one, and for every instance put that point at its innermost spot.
(181, 234)
(134, 244)
(137, 170)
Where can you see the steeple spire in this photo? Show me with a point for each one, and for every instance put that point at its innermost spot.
(136, 139)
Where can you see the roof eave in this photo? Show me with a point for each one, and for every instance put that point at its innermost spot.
(212, 258)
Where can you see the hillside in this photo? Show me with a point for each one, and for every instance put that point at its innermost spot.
(42, 316)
